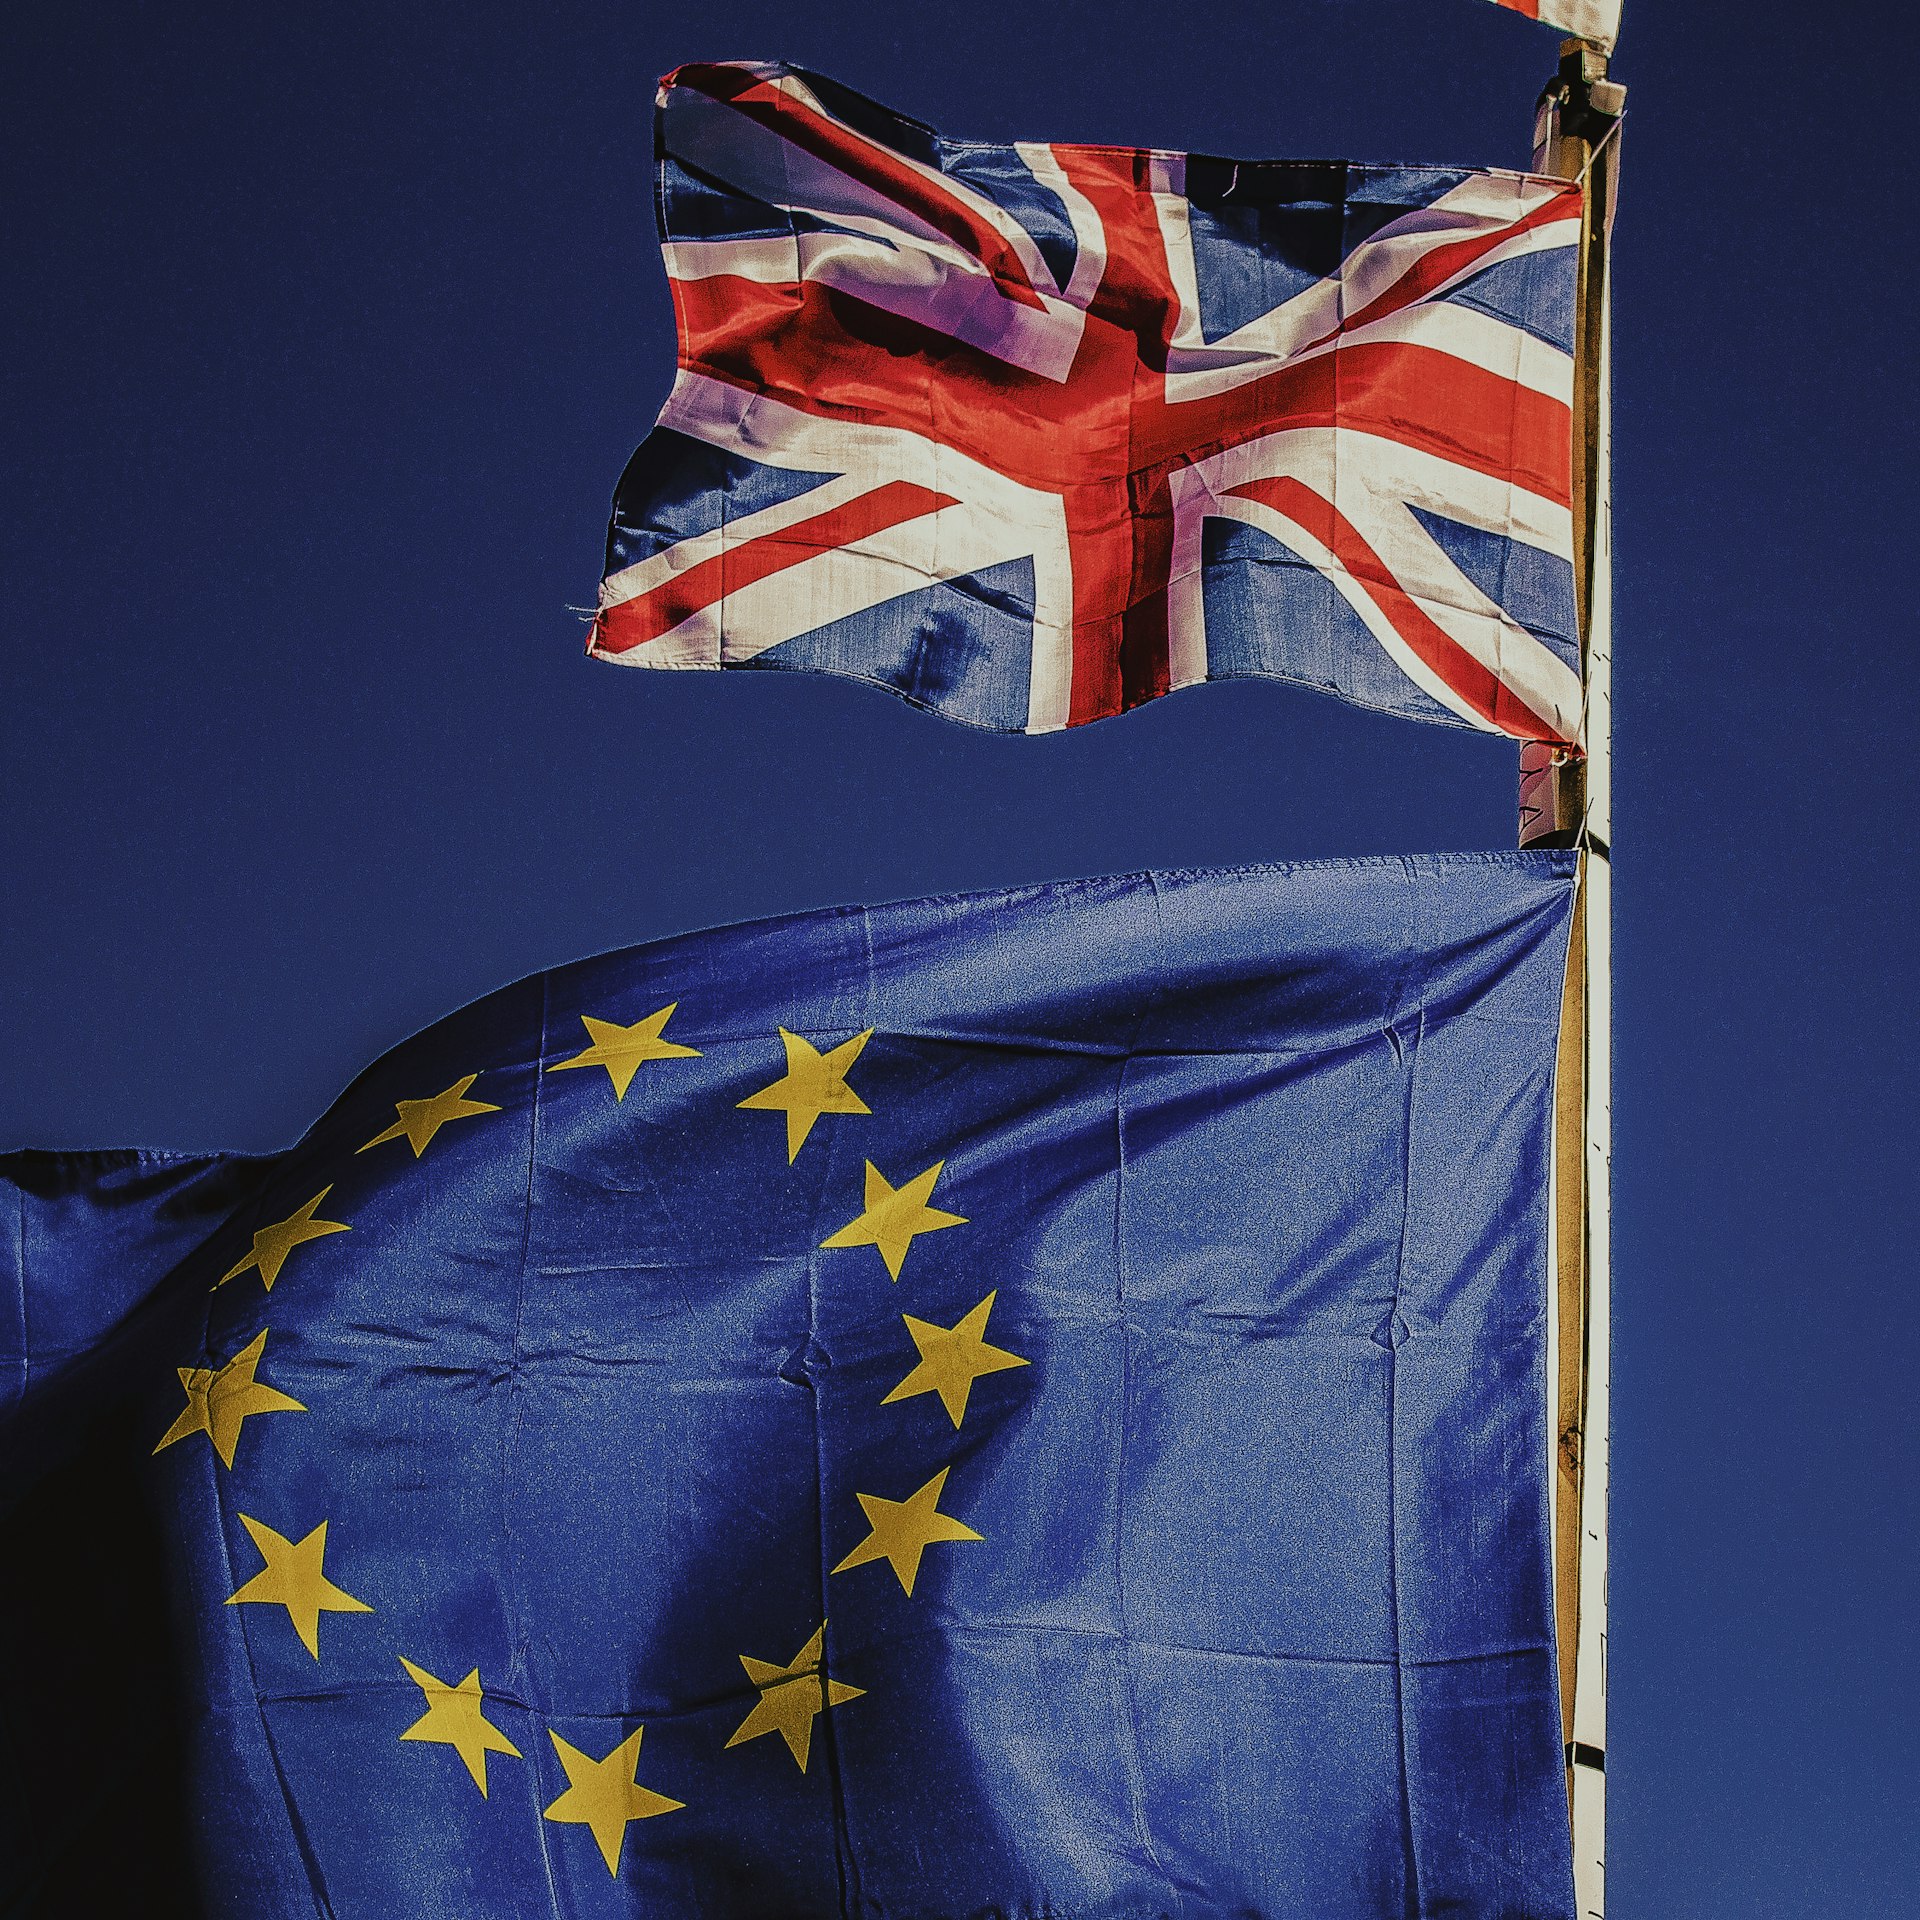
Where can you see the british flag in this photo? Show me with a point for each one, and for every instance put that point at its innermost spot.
(1596, 21)
(1030, 434)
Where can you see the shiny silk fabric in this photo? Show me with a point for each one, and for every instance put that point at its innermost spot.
(1029, 433)
(1028, 1403)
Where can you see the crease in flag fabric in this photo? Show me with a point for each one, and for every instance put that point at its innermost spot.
(1027, 1403)
(1031, 433)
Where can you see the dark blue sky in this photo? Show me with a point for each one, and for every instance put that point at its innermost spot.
(329, 331)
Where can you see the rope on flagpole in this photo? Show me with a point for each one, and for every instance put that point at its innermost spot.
(1566, 800)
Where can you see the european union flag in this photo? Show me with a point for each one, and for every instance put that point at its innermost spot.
(1025, 1404)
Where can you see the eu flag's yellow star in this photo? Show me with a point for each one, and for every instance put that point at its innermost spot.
(793, 1697)
(603, 1795)
(624, 1050)
(271, 1245)
(454, 1719)
(952, 1359)
(894, 1215)
(420, 1120)
(295, 1578)
(814, 1083)
(904, 1529)
(220, 1400)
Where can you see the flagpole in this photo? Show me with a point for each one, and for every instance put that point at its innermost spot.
(1567, 801)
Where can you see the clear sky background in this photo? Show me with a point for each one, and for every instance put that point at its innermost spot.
(329, 331)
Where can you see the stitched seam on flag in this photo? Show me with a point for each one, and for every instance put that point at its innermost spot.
(1127, 1732)
(1412, 1071)
(1151, 1004)
(1027, 1630)
(825, 1728)
(845, 1859)
(510, 1439)
(225, 1511)
(845, 1866)
(1407, 1057)
(300, 1840)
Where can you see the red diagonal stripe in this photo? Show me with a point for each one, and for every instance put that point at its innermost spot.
(1435, 269)
(1045, 434)
(866, 161)
(1425, 398)
(1477, 685)
(647, 616)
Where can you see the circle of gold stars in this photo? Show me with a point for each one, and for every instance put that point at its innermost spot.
(604, 1793)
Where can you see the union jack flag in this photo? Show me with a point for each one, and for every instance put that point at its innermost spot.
(1594, 20)
(1030, 434)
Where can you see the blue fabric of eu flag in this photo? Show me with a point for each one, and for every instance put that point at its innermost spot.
(1025, 1404)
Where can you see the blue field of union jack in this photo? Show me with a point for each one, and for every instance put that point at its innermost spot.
(1030, 434)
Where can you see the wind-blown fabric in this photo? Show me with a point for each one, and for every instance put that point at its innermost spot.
(1027, 1403)
(1029, 434)
(1594, 20)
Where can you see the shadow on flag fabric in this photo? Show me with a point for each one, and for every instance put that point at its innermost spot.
(1029, 434)
(1028, 1403)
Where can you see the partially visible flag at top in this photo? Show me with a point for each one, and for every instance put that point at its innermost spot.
(1595, 20)
(1032, 433)
(1027, 1404)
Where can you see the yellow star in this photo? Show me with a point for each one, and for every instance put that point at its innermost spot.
(420, 1120)
(623, 1050)
(605, 1796)
(814, 1083)
(894, 1215)
(454, 1719)
(295, 1578)
(952, 1359)
(793, 1697)
(904, 1529)
(221, 1399)
(271, 1245)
